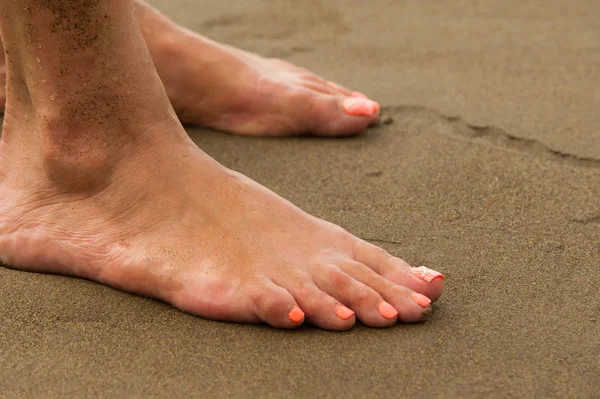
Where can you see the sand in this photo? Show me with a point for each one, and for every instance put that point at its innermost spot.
(490, 172)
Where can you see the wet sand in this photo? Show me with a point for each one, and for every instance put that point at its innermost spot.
(488, 170)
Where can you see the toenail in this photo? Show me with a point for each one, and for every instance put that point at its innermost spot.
(387, 310)
(344, 313)
(422, 300)
(296, 314)
(426, 274)
(358, 106)
(358, 94)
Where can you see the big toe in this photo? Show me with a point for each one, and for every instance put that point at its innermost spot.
(420, 279)
(334, 115)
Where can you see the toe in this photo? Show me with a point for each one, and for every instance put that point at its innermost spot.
(369, 305)
(360, 106)
(307, 75)
(341, 89)
(319, 87)
(358, 94)
(340, 116)
(275, 306)
(310, 80)
(411, 306)
(321, 309)
(334, 87)
(422, 280)
(217, 298)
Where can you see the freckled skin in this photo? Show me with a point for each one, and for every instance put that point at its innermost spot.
(99, 180)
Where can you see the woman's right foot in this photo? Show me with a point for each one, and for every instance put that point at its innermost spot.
(209, 241)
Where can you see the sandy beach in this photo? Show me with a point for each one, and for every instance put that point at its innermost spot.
(486, 166)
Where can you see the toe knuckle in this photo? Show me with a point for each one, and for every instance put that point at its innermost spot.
(339, 279)
(267, 304)
(276, 303)
(313, 298)
(259, 299)
(362, 295)
(305, 291)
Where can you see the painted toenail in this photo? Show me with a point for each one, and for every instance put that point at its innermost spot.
(358, 94)
(344, 313)
(296, 314)
(387, 310)
(422, 300)
(358, 106)
(426, 274)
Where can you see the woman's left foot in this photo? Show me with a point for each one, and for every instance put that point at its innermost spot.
(224, 88)
(228, 89)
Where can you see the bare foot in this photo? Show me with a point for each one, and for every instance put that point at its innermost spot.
(221, 87)
(244, 93)
(209, 241)
(91, 185)
(224, 88)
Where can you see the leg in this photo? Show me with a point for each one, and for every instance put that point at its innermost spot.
(254, 95)
(2, 78)
(90, 186)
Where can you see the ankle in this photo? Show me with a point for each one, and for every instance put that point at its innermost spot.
(84, 155)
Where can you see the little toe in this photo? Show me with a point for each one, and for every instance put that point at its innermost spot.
(422, 280)
(371, 309)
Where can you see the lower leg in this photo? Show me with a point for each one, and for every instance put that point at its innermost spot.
(2, 78)
(53, 95)
(91, 186)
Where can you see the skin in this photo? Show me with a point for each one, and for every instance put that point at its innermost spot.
(251, 90)
(91, 186)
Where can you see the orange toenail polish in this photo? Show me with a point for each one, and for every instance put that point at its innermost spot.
(296, 314)
(426, 274)
(387, 310)
(344, 313)
(358, 106)
(359, 94)
(422, 300)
